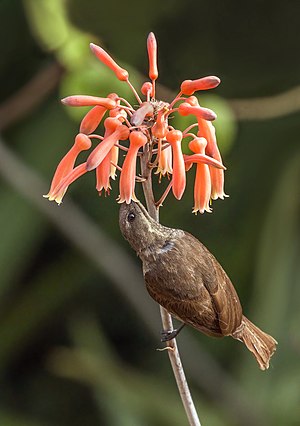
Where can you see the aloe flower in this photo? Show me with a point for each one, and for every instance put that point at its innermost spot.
(93, 118)
(127, 178)
(202, 188)
(174, 137)
(165, 162)
(145, 123)
(66, 165)
(101, 151)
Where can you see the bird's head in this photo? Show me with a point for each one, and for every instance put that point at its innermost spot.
(137, 227)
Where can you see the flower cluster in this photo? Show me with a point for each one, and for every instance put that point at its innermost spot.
(147, 128)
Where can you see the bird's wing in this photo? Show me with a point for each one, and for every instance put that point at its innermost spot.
(221, 290)
(198, 312)
(174, 282)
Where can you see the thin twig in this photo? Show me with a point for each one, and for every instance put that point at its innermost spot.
(166, 318)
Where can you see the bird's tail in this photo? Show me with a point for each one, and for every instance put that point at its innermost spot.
(261, 344)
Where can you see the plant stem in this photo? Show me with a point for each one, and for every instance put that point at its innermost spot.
(166, 318)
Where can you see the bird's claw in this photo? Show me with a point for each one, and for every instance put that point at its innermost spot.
(167, 335)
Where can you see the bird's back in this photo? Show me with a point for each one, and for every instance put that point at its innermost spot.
(186, 279)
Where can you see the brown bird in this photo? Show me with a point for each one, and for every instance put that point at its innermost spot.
(186, 279)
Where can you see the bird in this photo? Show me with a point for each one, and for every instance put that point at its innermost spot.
(183, 276)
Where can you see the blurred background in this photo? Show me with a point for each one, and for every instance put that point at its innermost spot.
(78, 331)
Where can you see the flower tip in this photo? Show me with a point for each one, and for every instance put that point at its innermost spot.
(152, 55)
(188, 87)
(94, 47)
(107, 60)
(201, 210)
(90, 165)
(215, 80)
(208, 114)
(178, 197)
(57, 199)
(219, 195)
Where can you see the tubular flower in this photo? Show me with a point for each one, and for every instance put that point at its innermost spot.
(160, 128)
(127, 178)
(186, 109)
(104, 57)
(207, 130)
(66, 165)
(202, 187)
(93, 118)
(150, 135)
(152, 54)
(189, 87)
(147, 90)
(103, 170)
(164, 166)
(174, 137)
(103, 175)
(85, 100)
(60, 190)
(101, 151)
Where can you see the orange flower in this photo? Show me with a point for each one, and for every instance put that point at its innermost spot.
(147, 90)
(127, 178)
(85, 100)
(202, 187)
(104, 168)
(60, 190)
(207, 130)
(100, 152)
(103, 175)
(66, 165)
(186, 109)
(107, 60)
(152, 55)
(145, 124)
(165, 161)
(174, 137)
(93, 118)
(160, 127)
(188, 87)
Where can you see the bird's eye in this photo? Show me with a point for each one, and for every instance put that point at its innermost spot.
(131, 217)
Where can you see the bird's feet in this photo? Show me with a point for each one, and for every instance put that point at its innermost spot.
(167, 335)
